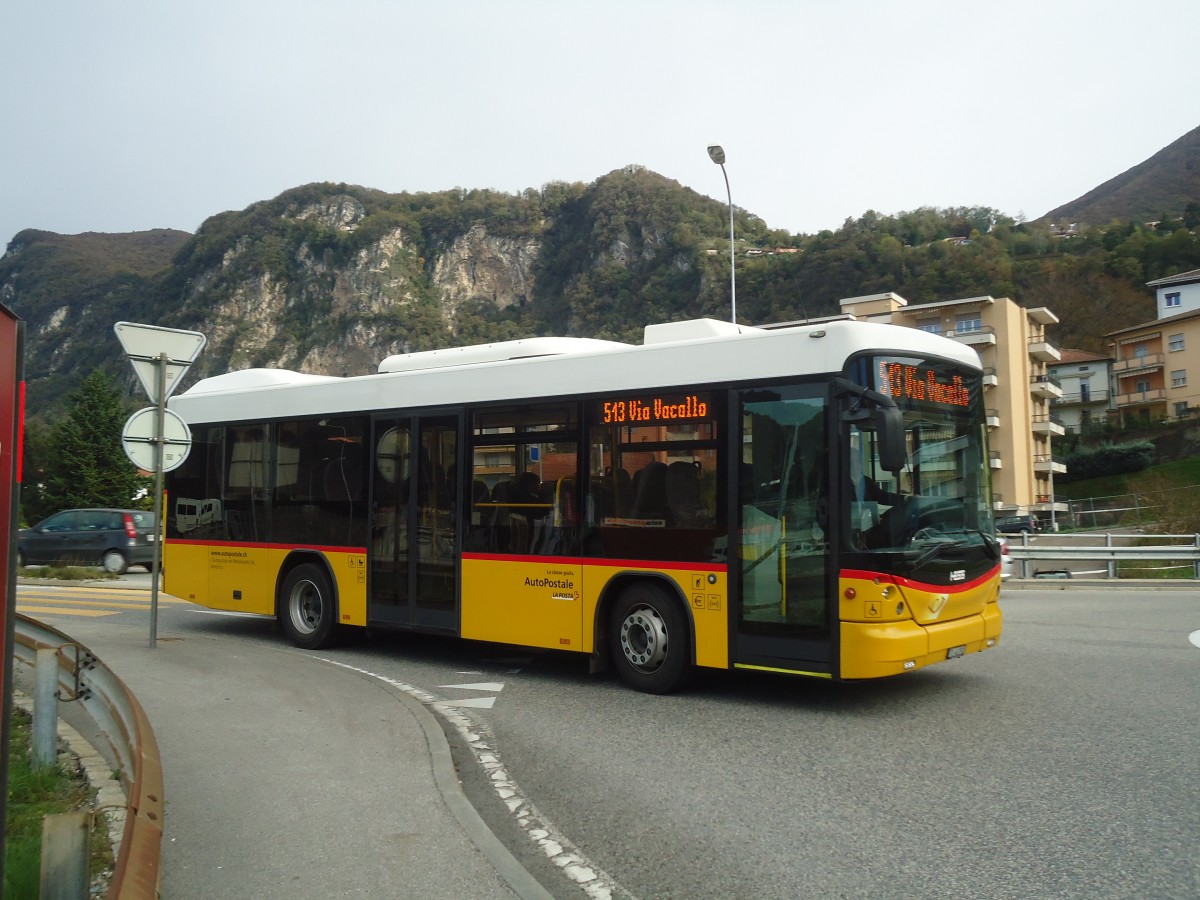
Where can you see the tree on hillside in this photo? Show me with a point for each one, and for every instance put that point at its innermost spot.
(84, 464)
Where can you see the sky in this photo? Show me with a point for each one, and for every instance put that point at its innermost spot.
(124, 116)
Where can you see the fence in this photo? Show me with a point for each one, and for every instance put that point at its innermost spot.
(1115, 555)
(84, 678)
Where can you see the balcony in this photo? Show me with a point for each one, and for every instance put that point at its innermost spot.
(1135, 364)
(1043, 349)
(993, 418)
(994, 460)
(1047, 426)
(1100, 398)
(1046, 387)
(1046, 465)
(1138, 398)
(979, 337)
(990, 378)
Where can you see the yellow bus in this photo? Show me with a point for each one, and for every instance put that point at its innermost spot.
(809, 499)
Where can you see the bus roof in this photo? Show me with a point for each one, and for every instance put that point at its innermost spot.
(678, 354)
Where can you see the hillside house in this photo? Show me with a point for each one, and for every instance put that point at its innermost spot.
(1085, 379)
(1153, 376)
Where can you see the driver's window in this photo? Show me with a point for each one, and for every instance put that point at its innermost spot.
(873, 492)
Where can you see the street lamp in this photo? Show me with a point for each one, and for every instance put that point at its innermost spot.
(717, 155)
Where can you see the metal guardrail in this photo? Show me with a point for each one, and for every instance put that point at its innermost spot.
(117, 713)
(1109, 553)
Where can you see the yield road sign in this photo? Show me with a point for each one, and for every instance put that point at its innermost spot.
(150, 347)
(139, 439)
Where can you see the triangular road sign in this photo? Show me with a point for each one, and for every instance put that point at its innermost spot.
(145, 345)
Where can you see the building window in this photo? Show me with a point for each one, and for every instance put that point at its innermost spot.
(1179, 378)
(1172, 300)
(1140, 352)
(932, 327)
(1181, 409)
(1085, 392)
(968, 323)
(1142, 386)
(1175, 342)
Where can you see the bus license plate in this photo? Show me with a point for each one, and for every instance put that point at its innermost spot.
(956, 652)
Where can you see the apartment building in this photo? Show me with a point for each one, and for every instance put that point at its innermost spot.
(1177, 293)
(1154, 377)
(1086, 382)
(1014, 350)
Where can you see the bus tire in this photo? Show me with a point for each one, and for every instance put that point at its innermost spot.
(648, 637)
(307, 609)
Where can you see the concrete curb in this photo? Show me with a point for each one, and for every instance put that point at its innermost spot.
(515, 875)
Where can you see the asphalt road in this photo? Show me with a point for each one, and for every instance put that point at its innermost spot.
(1061, 764)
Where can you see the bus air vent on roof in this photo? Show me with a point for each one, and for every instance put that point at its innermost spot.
(498, 352)
(693, 329)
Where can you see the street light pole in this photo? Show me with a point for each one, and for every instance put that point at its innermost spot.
(717, 155)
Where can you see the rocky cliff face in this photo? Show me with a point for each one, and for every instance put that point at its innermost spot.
(342, 316)
(477, 266)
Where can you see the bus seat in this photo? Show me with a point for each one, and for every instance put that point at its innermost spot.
(501, 524)
(650, 500)
(683, 494)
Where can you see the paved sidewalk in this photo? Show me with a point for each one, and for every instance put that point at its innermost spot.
(286, 777)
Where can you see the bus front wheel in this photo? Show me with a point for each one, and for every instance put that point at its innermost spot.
(649, 640)
(307, 610)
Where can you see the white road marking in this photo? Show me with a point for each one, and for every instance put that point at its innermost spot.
(233, 613)
(472, 702)
(496, 686)
(1194, 637)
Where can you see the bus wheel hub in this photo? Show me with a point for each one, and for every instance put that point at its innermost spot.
(644, 638)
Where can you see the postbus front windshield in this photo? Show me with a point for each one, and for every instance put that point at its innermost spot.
(933, 515)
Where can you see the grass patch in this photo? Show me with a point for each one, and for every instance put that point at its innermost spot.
(34, 793)
(67, 573)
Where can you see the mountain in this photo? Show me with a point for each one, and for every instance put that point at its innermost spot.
(332, 278)
(1163, 184)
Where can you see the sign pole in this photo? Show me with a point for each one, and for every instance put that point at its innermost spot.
(160, 356)
(160, 441)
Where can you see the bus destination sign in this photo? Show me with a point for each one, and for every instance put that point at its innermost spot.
(921, 384)
(677, 408)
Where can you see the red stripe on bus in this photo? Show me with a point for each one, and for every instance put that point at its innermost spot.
(599, 561)
(262, 546)
(901, 581)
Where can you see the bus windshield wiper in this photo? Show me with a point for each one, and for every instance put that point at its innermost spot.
(932, 552)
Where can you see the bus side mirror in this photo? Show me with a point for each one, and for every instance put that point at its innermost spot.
(889, 433)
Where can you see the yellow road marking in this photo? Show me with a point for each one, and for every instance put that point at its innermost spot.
(84, 604)
(112, 598)
(62, 611)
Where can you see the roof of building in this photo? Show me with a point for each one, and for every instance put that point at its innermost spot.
(1070, 356)
(1155, 323)
(1181, 278)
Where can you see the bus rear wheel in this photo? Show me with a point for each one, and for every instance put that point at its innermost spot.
(648, 638)
(307, 610)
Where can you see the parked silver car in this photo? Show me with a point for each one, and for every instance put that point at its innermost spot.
(113, 538)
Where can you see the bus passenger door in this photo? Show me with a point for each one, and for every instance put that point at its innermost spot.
(389, 559)
(434, 539)
(414, 552)
(780, 561)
